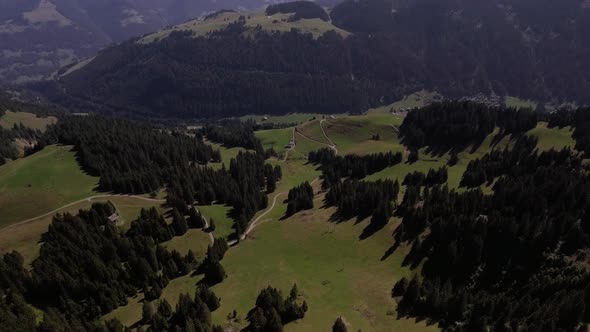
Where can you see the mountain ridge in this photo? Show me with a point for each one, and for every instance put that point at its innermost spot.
(37, 37)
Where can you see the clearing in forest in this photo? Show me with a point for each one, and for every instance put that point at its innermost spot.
(42, 182)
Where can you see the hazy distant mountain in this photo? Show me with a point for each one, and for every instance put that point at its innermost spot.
(39, 36)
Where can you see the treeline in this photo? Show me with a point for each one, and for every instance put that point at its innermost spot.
(233, 135)
(523, 158)
(510, 260)
(335, 168)
(443, 52)
(129, 157)
(243, 186)
(8, 149)
(88, 267)
(272, 311)
(362, 199)
(300, 10)
(224, 74)
(459, 124)
(191, 313)
(579, 119)
(300, 198)
(219, 75)
(433, 177)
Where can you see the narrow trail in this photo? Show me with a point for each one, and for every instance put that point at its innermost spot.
(87, 199)
(253, 223)
(292, 146)
(333, 146)
(206, 222)
(211, 235)
(256, 221)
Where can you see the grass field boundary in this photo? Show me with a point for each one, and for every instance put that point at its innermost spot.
(30, 220)
(314, 140)
(326, 136)
(211, 236)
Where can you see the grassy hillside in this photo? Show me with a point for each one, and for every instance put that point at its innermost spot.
(41, 183)
(277, 22)
(277, 139)
(195, 239)
(28, 119)
(336, 273)
(519, 103)
(313, 130)
(219, 213)
(417, 99)
(283, 119)
(354, 135)
(226, 155)
(25, 238)
(553, 138)
(303, 146)
(428, 160)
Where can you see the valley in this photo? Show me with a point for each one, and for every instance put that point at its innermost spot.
(342, 273)
(274, 166)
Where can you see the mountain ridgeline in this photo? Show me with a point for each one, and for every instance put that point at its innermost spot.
(40, 36)
(501, 47)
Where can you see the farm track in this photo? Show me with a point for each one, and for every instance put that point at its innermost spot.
(251, 227)
(87, 199)
(331, 146)
(292, 147)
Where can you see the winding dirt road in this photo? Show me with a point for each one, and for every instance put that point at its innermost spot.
(87, 199)
(292, 147)
(251, 226)
(333, 146)
(211, 236)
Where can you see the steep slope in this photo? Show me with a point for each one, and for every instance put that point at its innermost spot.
(236, 63)
(534, 49)
(39, 36)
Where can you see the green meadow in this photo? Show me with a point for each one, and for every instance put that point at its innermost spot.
(294, 118)
(553, 138)
(313, 130)
(361, 135)
(25, 238)
(219, 213)
(337, 272)
(40, 183)
(276, 139)
(519, 103)
(27, 119)
(277, 22)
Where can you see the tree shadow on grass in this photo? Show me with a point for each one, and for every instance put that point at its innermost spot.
(390, 251)
(371, 229)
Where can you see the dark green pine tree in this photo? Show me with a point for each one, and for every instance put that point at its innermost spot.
(413, 157)
(179, 223)
(339, 326)
(164, 308)
(214, 273)
(274, 323)
(147, 312)
(195, 219)
(257, 320)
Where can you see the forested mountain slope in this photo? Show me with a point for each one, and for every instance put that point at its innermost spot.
(380, 52)
(39, 36)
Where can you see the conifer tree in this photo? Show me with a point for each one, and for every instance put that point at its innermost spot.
(339, 325)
